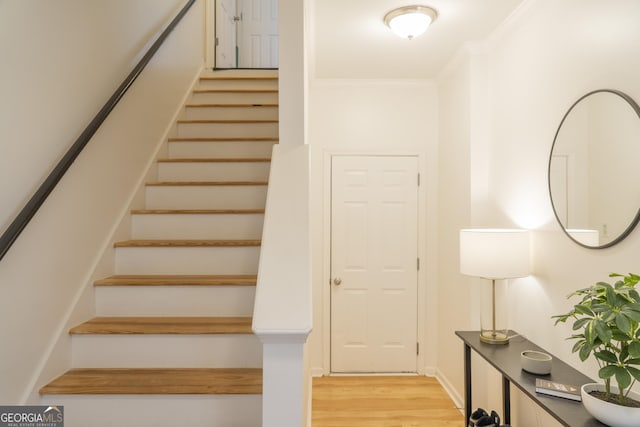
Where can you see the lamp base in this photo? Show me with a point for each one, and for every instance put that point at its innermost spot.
(494, 337)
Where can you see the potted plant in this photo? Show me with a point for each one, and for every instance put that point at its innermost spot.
(606, 325)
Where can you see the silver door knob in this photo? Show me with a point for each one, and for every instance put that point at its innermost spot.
(337, 281)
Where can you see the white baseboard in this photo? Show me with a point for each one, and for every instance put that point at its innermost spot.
(450, 389)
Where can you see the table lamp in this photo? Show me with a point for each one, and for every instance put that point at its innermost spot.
(494, 254)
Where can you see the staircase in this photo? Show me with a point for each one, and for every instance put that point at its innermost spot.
(171, 343)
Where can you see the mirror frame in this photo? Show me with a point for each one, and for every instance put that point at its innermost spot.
(636, 218)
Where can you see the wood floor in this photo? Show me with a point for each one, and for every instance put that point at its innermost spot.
(382, 401)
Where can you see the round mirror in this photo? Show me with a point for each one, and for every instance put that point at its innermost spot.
(593, 169)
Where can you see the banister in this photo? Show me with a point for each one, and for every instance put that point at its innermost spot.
(29, 210)
(282, 313)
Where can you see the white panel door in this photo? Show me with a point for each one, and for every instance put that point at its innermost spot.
(226, 34)
(374, 272)
(258, 34)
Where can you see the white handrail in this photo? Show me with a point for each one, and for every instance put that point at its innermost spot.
(282, 316)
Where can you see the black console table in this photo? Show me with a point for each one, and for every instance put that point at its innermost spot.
(506, 359)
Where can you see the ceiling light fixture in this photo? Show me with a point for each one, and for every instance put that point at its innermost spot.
(410, 21)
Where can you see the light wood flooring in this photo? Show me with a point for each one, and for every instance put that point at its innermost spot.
(382, 401)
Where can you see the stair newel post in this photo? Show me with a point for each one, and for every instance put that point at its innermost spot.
(285, 382)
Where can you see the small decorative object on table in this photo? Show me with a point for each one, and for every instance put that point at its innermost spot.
(552, 388)
(536, 362)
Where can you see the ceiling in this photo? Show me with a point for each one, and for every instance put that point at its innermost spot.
(351, 40)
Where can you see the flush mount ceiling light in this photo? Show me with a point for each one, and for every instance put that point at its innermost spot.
(410, 21)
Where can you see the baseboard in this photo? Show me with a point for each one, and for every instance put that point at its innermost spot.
(450, 389)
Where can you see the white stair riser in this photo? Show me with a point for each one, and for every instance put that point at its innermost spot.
(234, 98)
(231, 113)
(221, 149)
(197, 226)
(159, 411)
(227, 130)
(167, 351)
(206, 197)
(220, 260)
(238, 84)
(213, 171)
(174, 300)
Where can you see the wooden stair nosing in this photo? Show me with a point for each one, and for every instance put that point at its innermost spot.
(216, 105)
(236, 90)
(163, 325)
(205, 183)
(217, 160)
(223, 139)
(226, 121)
(196, 211)
(178, 280)
(175, 243)
(239, 78)
(118, 381)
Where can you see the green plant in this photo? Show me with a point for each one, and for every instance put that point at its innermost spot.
(607, 326)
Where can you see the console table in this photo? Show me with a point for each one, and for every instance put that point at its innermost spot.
(506, 359)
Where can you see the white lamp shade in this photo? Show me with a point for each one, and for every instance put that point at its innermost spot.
(495, 253)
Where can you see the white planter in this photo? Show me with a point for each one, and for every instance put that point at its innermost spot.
(609, 413)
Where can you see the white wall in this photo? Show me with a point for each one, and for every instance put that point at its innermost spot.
(454, 213)
(545, 60)
(292, 93)
(61, 61)
(372, 117)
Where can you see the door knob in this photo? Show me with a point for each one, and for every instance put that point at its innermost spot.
(337, 281)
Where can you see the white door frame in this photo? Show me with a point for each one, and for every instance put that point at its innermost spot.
(209, 33)
(326, 264)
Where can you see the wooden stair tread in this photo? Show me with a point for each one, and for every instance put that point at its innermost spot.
(227, 121)
(256, 105)
(157, 381)
(195, 211)
(237, 90)
(222, 139)
(214, 77)
(177, 243)
(217, 160)
(109, 325)
(178, 280)
(203, 183)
